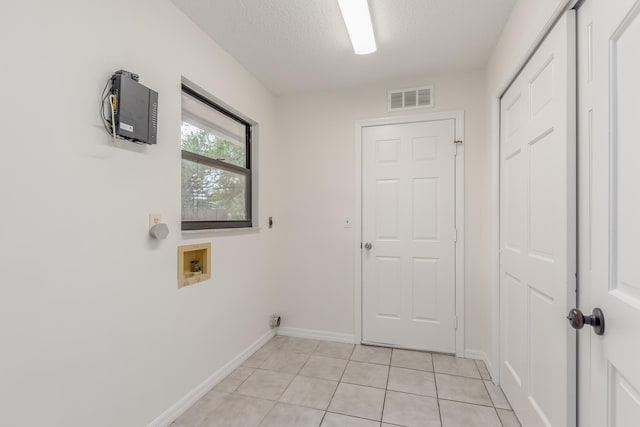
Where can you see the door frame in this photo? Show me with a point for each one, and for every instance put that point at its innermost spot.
(458, 117)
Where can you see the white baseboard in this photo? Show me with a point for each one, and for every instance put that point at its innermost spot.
(177, 409)
(317, 335)
(480, 355)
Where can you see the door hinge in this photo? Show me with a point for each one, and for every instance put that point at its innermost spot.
(455, 234)
(455, 322)
(455, 147)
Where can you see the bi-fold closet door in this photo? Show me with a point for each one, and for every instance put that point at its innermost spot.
(538, 233)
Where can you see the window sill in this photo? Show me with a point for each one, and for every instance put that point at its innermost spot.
(243, 230)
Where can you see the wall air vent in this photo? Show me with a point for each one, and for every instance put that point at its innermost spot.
(410, 99)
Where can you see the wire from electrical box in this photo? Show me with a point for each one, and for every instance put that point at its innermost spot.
(112, 102)
(105, 95)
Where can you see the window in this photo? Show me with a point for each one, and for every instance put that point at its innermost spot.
(216, 165)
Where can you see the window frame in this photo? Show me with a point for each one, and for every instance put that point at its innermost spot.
(218, 164)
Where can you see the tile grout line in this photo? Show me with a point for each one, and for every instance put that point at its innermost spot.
(435, 386)
(469, 403)
(339, 382)
(491, 399)
(243, 381)
(410, 393)
(238, 394)
(234, 391)
(334, 391)
(281, 394)
(289, 384)
(499, 419)
(493, 404)
(359, 385)
(386, 387)
(435, 383)
(459, 376)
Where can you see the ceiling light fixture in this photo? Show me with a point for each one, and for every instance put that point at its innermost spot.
(358, 21)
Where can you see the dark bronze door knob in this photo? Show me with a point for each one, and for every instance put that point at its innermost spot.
(577, 320)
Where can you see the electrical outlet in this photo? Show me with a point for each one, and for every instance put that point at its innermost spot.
(154, 219)
(348, 223)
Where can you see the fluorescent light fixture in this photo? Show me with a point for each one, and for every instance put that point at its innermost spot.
(358, 21)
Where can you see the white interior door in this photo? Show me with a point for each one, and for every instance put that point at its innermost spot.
(615, 213)
(537, 233)
(408, 218)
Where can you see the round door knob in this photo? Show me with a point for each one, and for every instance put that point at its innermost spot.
(368, 246)
(577, 320)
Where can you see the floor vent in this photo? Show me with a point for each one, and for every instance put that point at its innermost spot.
(410, 99)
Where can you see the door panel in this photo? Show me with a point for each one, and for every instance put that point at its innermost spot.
(387, 194)
(408, 288)
(537, 229)
(389, 273)
(615, 201)
(425, 296)
(514, 352)
(425, 209)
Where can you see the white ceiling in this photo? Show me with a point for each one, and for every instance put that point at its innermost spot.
(296, 46)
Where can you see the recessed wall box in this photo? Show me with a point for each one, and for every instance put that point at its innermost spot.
(194, 264)
(136, 108)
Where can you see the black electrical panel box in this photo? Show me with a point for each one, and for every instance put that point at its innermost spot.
(136, 108)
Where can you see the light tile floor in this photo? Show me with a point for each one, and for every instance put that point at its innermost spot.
(296, 382)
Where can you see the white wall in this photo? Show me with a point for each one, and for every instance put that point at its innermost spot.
(527, 24)
(93, 330)
(316, 151)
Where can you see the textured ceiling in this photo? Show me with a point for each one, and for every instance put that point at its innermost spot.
(297, 46)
